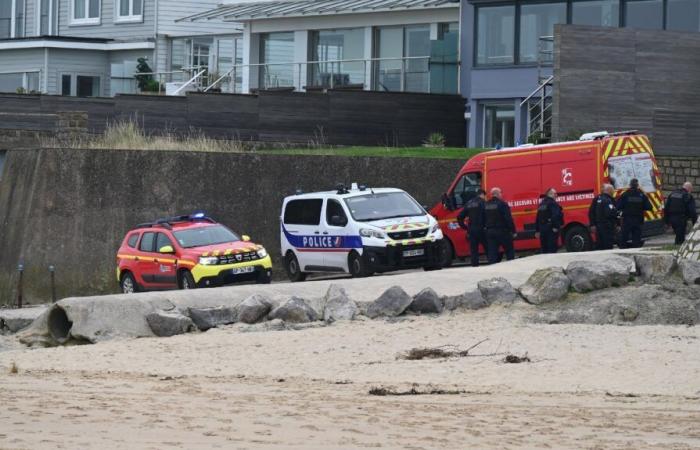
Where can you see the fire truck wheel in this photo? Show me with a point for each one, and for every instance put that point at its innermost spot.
(577, 239)
(358, 266)
(447, 253)
(128, 284)
(293, 269)
(186, 280)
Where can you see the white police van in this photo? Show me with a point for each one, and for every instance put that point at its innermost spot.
(358, 231)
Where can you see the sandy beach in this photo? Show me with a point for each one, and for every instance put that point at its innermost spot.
(586, 387)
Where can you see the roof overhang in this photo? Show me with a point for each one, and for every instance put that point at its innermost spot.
(74, 44)
(249, 12)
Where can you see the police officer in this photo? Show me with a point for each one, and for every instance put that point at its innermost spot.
(632, 205)
(603, 218)
(500, 229)
(550, 218)
(476, 228)
(679, 207)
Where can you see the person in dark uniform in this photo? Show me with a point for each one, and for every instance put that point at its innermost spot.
(500, 229)
(632, 204)
(550, 219)
(603, 218)
(476, 232)
(678, 209)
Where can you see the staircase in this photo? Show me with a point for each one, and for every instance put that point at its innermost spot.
(539, 102)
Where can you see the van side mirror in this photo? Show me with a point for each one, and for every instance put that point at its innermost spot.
(447, 202)
(167, 249)
(338, 221)
(245, 238)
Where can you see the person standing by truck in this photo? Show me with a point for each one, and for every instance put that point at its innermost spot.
(633, 203)
(500, 229)
(603, 217)
(678, 209)
(476, 228)
(549, 220)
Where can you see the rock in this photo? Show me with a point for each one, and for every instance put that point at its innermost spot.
(426, 302)
(338, 305)
(294, 310)
(690, 271)
(621, 269)
(207, 318)
(690, 249)
(589, 276)
(169, 323)
(468, 300)
(497, 290)
(655, 269)
(545, 286)
(391, 303)
(14, 320)
(253, 309)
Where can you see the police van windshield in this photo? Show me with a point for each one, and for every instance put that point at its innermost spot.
(203, 236)
(640, 166)
(388, 205)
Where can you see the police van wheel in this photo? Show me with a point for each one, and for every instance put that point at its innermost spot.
(291, 265)
(186, 280)
(447, 253)
(357, 266)
(128, 284)
(577, 239)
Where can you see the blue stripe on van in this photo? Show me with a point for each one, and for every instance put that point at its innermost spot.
(322, 241)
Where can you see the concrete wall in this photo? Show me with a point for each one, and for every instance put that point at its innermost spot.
(71, 208)
(620, 79)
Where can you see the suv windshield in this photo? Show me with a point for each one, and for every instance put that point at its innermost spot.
(387, 205)
(203, 236)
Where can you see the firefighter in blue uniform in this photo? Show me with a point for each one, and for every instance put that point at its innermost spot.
(632, 204)
(500, 229)
(603, 217)
(550, 219)
(678, 209)
(475, 211)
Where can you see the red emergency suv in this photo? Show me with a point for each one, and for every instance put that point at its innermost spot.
(186, 252)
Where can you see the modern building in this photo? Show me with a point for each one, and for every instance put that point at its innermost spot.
(506, 55)
(91, 47)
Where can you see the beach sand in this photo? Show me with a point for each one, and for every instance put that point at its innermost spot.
(586, 387)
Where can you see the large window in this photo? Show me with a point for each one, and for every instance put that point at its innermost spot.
(646, 14)
(130, 11)
(87, 86)
(12, 19)
(335, 45)
(303, 212)
(85, 12)
(499, 126)
(495, 35)
(19, 81)
(404, 59)
(277, 50)
(5, 19)
(596, 12)
(444, 60)
(683, 15)
(537, 21)
(47, 13)
(229, 52)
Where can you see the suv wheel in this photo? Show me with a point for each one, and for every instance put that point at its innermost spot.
(357, 266)
(291, 265)
(186, 280)
(128, 284)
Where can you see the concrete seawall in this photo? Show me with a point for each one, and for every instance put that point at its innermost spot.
(71, 208)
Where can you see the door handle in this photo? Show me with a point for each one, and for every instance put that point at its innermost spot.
(317, 232)
(325, 232)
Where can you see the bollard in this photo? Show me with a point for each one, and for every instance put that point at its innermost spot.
(20, 269)
(52, 270)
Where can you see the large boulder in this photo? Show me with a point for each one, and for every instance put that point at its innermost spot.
(426, 301)
(294, 310)
(391, 303)
(655, 269)
(622, 269)
(253, 309)
(338, 306)
(497, 290)
(589, 276)
(690, 271)
(169, 323)
(545, 286)
(14, 320)
(207, 318)
(468, 300)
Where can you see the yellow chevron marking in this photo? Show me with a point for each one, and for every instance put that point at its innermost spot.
(216, 253)
(228, 252)
(618, 146)
(608, 149)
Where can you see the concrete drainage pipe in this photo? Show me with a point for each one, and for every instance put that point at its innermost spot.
(59, 325)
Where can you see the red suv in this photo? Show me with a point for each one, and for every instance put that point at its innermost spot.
(187, 252)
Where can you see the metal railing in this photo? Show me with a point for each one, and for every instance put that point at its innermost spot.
(539, 103)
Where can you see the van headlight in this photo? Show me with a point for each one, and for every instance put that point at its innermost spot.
(208, 260)
(435, 228)
(371, 233)
(262, 253)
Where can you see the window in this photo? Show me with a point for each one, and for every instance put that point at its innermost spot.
(47, 13)
(645, 14)
(130, 11)
(399, 74)
(388, 205)
(147, 242)
(596, 12)
(13, 82)
(335, 209)
(87, 86)
(334, 45)
(19, 18)
(229, 52)
(203, 236)
(499, 126)
(66, 85)
(495, 35)
(537, 21)
(444, 60)
(85, 12)
(6, 19)
(683, 15)
(466, 189)
(277, 49)
(303, 212)
(162, 240)
(133, 240)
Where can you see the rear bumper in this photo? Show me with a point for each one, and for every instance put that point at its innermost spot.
(383, 259)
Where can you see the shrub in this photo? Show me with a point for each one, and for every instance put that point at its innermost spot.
(435, 140)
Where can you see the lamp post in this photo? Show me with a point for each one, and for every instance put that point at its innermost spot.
(20, 269)
(52, 271)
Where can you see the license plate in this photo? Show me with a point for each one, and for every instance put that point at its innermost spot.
(240, 270)
(410, 253)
